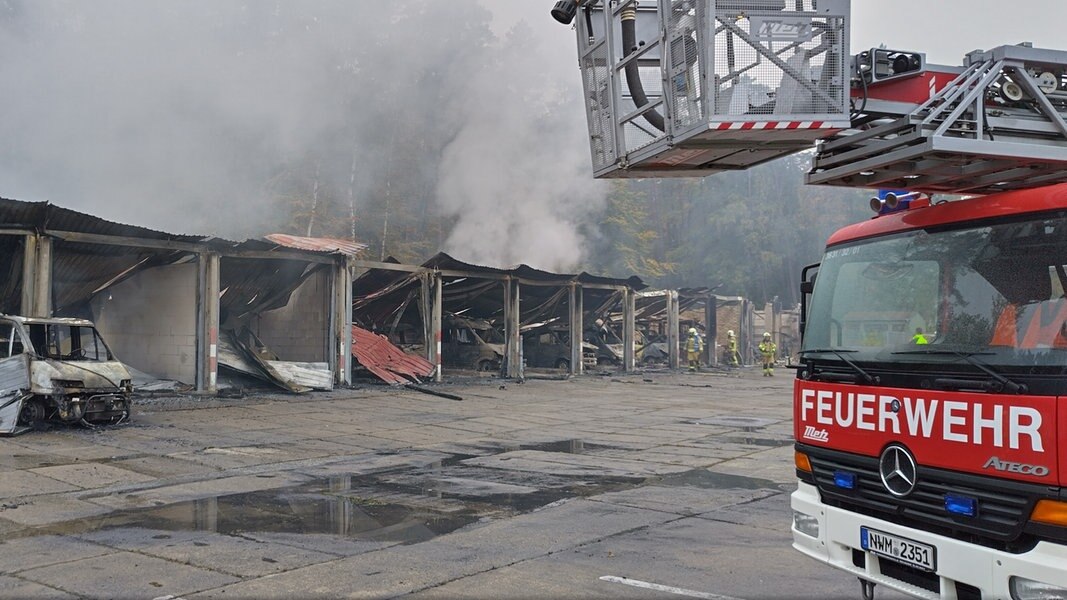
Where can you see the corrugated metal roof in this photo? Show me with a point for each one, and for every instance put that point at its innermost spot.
(42, 216)
(444, 261)
(318, 244)
(386, 361)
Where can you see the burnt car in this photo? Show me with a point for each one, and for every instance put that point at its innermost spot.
(58, 369)
(471, 344)
(550, 348)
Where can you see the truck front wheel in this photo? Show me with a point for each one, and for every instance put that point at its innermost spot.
(33, 413)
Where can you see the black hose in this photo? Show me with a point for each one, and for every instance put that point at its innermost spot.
(633, 76)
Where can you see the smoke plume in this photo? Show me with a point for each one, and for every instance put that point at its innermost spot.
(437, 125)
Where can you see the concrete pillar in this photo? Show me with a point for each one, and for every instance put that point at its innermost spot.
(575, 303)
(207, 321)
(672, 328)
(513, 341)
(437, 283)
(629, 300)
(341, 322)
(29, 274)
(42, 286)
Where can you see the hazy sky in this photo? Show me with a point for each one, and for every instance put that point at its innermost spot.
(944, 29)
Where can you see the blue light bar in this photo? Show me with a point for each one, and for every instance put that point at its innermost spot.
(961, 505)
(844, 479)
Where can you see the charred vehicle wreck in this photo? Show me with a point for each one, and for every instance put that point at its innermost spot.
(58, 369)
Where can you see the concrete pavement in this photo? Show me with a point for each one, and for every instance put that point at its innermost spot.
(656, 484)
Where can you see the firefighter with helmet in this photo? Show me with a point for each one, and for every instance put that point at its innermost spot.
(693, 347)
(767, 349)
(731, 349)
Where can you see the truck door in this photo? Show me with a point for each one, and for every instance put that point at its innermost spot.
(14, 376)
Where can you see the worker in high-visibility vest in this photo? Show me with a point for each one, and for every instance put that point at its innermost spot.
(731, 349)
(693, 347)
(767, 349)
(919, 338)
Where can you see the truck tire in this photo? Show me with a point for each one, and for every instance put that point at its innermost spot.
(33, 413)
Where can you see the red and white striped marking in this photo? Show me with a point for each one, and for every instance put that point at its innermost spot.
(757, 125)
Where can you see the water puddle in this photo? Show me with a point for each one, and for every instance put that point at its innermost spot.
(406, 505)
(298, 510)
(764, 442)
(710, 480)
(745, 423)
(563, 446)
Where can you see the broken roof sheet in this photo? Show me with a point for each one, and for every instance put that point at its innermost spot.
(318, 244)
(386, 361)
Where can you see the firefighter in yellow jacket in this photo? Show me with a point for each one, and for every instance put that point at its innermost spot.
(693, 347)
(767, 349)
(731, 349)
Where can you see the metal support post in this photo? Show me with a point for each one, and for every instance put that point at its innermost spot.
(513, 340)
(629, 299)
(435, 283)
(341, 322)
(42, 278)
(672, 329)
(577, 328)
(29, 274)
(207, 320)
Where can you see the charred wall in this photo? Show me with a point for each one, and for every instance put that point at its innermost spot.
(299, 330)
(149, 320)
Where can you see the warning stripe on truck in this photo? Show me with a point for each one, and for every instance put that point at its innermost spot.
(746, 125)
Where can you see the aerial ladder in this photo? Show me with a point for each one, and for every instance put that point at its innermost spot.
(683, 88)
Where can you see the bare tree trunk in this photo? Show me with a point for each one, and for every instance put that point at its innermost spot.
(314, 200)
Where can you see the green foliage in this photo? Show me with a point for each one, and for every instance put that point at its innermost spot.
(748, 233)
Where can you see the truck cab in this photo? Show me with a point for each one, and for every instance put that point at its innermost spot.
(60, 370)
(929, 412)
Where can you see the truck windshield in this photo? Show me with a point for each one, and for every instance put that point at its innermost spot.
(68, 342)
(997, 289)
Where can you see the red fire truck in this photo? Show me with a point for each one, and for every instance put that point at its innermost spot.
(937, 466)
(930, 418)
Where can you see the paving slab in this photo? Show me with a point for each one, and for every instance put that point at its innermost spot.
(33, 552)
(164, 467)
(127, 575)
(92, 475)
(239, 556)
(13, 587)
(22, 484)
(37, 511)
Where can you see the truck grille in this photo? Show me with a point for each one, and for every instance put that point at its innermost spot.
(1004, 506)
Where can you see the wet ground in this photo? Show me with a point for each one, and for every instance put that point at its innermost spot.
(653, 485)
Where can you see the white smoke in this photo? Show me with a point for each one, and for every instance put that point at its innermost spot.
(517, 177)
(198, 116)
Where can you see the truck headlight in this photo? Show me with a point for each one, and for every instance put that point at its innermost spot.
(806, 524)
(1028, 589)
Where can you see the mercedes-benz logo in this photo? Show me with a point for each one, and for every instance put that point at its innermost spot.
(898, 470)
